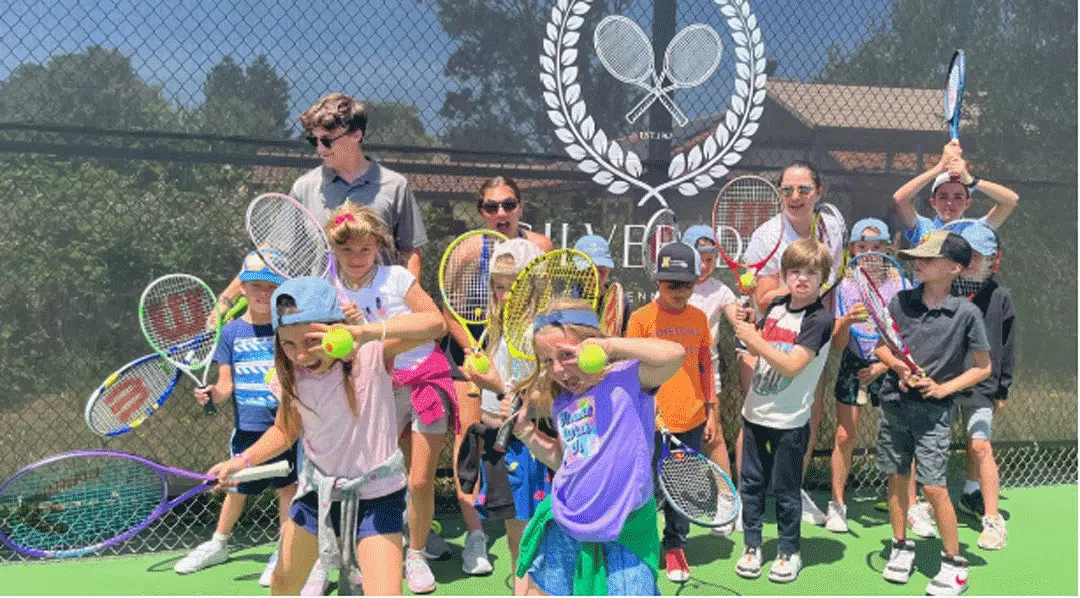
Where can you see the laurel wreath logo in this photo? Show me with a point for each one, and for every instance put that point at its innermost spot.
(619, 169)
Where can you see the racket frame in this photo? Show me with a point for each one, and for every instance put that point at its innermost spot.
(669, 439)
(952, 113)
(170, 353)
(718, 223)
(819, 229)
(887, 329)
(612, 310)
(657, 221)
(99, 394)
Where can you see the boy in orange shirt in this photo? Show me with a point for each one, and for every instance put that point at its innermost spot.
(687, 401)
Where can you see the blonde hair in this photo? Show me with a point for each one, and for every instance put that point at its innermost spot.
(333, 111)
(806, 253)
(283, 369)
(538, 389)
(352, 221)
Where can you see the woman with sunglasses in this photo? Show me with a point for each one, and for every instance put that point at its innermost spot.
(499, 203)
(801, 188)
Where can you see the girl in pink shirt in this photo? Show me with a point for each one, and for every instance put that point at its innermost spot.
(345, 410)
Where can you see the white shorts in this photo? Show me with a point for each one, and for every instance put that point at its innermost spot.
(978, 422)
(406, 413)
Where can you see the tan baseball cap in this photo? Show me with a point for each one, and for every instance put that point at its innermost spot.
(942, 243)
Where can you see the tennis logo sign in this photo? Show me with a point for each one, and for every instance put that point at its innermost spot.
(625, 51)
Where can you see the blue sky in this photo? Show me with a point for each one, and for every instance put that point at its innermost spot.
(388, 50)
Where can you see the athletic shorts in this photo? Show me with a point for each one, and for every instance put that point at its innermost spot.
(242, 441)
(406, 412)
(529, 482)
(847, 380)
(978, 422)
(553, 568)
(918, 430)
(376, 516)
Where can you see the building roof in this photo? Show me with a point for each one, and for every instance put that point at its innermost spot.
(859, 106)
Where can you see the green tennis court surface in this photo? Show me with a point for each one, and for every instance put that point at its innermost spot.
(1040, 558)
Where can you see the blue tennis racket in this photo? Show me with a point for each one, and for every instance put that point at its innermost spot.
(695, 486)
(954, 93)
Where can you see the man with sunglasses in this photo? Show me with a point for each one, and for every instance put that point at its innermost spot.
(335, 127)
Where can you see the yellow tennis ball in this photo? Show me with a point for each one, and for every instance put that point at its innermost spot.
(269, 376)
(481, 363)
(746, 281)
(337, 343)
(592, 359)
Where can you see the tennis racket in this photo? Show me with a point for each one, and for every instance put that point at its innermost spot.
(463, 281)
(973, 279)
(134, 392)
(830, 229)
(290, 240)
(954, 93)
(746, 205)
(869, 269)
(612, 311)
(557, 273)
(691, 57)
(661, 230)
(890, 282)
(177, 316)
(695, 486)
(626, 53)
(80, 502)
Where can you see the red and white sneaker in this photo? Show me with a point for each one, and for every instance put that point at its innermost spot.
(678, 570)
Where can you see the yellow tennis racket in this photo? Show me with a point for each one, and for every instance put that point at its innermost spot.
(558, 273)
(463, 281)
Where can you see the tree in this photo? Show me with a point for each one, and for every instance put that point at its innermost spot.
(95, 88)
(396, 123)
(1021, 86)
(499, 104)
(252, 102)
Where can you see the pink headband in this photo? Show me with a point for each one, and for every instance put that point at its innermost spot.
(344, 218)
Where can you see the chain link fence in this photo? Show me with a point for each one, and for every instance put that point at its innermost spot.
(133, 135)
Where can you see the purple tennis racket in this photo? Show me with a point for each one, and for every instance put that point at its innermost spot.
(80, 502)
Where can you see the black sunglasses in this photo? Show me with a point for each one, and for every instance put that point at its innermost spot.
(492, 207)
(325, 141)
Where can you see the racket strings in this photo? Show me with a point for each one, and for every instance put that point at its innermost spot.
(745, 204)
(465, 278)
(556, 274)
(289, 241)
(80, 502)
(692, 56)
(624, 49)
(695, 487)
(176, 314)
(131, 396)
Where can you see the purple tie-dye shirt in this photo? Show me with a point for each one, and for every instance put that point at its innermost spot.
(607, 440)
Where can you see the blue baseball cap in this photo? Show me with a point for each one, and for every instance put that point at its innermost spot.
(315, 299)
(597, 248)
(857, 231)
(696, 233)
(255, 269)
(981, 237)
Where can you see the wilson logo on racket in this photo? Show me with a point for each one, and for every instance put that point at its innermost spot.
(176, 318)
(125, 399)
(625, 51)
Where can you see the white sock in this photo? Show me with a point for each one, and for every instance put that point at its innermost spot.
(220, 539)
(971, 486)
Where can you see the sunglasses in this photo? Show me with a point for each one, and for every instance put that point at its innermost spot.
(492, 207)
(788, 190)
(325, 141)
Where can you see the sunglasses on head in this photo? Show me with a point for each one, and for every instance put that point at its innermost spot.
(788, 190)
(492, 207)
(325, 141)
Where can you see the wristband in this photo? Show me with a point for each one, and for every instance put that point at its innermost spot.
(244, 458)
(974, 181)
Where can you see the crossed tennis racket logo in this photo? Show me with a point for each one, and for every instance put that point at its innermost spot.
(626, 52)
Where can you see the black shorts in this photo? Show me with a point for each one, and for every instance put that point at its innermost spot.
(242, 441)
(847, 380)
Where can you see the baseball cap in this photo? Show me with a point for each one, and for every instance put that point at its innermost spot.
(255, 269)
(522, 251)
(981, 237)
(315, 299)
(858, 231)
(942, 243)
(677, 262)
(597, 248)
(696, 233)
(943, 178)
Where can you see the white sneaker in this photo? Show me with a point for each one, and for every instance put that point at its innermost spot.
(786, 567)
(749, 564)
(207, 554)
(901, 561)
(317, 582)
(836, 520)
(921, 520)
(951, 580)
(724, 530)
(810, 512)
(474, 557)
(993, 534)
(268, 572)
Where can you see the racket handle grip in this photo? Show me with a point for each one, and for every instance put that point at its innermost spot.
(503, 436)
(209, 408)
(261, 472)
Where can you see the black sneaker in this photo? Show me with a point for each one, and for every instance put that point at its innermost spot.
(972, 503)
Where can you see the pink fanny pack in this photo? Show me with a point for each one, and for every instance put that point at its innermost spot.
(425, 380)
